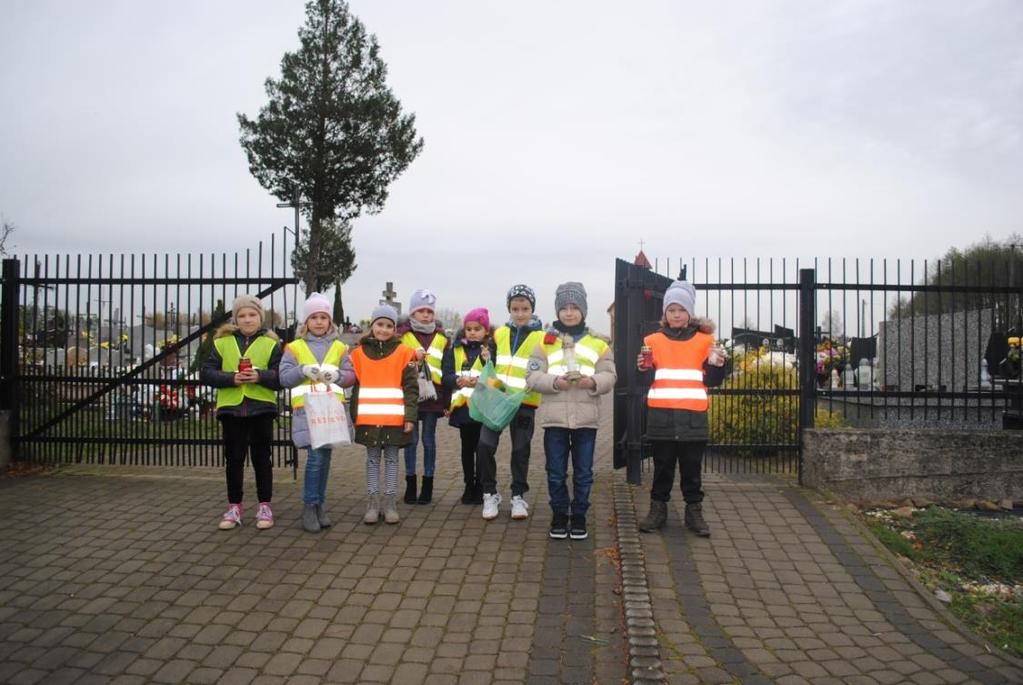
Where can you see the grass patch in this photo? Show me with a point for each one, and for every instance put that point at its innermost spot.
(977, 561)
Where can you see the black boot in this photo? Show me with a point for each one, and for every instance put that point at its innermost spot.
(410, 489)
(426, 494)
(656, 517)
(477, 493)
(695, 522)
(467, 494)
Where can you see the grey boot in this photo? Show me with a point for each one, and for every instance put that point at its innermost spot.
(655, 518)
(390, 511)
(695, 522)
(372, 510)
(321, 515)
(310, 522)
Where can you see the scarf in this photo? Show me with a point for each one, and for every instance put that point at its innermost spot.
(424, 328)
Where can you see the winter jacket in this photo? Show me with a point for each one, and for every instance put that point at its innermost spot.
(379, 436)
(212, 373)
(439, 405)
(291, 375)
(460, 417)
(575, 407)
(682, 425)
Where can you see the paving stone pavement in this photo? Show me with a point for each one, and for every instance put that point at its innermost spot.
(119, 575)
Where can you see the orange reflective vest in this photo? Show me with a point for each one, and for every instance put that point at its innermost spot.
(678, 372)
(381, 396)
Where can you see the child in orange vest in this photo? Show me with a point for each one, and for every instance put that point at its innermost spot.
(684, 362)
(384, 405)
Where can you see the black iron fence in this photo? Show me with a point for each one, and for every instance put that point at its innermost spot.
(100, 355)
(862, 343)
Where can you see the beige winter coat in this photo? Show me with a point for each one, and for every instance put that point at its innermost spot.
(575, 407)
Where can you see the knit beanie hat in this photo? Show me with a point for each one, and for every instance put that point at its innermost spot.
(317, 303)
(243, 301)
(521, 290)
(479, 315)
(384, 311)
(681, 293)
(421, 299)
(572, 292)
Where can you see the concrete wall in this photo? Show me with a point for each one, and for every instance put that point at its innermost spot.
(864, 464)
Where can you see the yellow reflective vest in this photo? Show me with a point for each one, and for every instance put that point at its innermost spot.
(512, 369)
(303, 355)
(434, 353)
(259, 352)
(460, 397)
(588, 349)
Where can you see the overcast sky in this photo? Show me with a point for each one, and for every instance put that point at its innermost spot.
(557, 134)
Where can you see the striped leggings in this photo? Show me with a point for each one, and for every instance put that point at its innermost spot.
(390, 453)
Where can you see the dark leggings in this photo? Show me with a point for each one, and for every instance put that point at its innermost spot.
(248, 436)
(689, 456)
(470, 434)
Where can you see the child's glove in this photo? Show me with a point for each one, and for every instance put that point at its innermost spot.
(312, 372)
(330, 375)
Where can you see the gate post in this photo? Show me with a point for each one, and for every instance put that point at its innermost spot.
(9, 348)
(807, 361)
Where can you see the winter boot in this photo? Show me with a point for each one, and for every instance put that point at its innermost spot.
(426, 494)
(477, 493)
(410, 489)
(372, 510)
(655, 518)
(695, 522)
(467, 494)
(310, 521)
(390, 511)
(322, 517)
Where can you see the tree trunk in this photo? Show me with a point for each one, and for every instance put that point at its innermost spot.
(312, 278)
(339, 308)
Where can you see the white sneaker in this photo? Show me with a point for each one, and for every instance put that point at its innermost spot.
(490, 504)
(520, 510)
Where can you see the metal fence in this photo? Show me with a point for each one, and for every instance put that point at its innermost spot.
(100, 354)
(834, 342)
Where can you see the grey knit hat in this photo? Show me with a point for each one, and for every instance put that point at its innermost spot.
(521, 290)
(572, 292)
(422, 299)
(681, 293)
(243, 301)
(384, 311)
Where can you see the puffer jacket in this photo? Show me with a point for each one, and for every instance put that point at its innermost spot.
(379, 436)
(291, 375)
(682, 425)
(575, 407)
(213, 374)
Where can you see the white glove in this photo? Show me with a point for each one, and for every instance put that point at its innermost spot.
(330, 375)
(312, 372)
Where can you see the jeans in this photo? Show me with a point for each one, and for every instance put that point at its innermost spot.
(317, 469)
(429, 434)
(248, 436)
(558, 444)
(521, 430)
(689, 456)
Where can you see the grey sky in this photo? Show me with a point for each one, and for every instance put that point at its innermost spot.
(558, 134)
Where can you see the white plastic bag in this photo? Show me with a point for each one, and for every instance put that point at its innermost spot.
(326, 417)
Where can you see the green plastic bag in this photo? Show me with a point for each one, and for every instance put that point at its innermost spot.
(492, 403)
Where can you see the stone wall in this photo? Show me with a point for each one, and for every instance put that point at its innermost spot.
(864, 464)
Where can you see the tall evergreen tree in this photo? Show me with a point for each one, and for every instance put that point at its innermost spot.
(332, 131)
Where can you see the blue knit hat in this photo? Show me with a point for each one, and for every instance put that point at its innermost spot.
(384, 311)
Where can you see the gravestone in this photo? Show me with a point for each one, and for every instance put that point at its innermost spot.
(389, 295)
(933, 351)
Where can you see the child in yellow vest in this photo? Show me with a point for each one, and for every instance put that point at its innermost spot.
(243, 368)
(384, 405)
(313, 357)
(572, 369)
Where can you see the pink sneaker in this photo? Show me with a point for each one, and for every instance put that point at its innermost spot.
(232, 517)
(264, 516)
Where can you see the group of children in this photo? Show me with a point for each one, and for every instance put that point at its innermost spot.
(406, 377)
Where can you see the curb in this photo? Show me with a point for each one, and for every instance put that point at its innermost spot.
(645, 665)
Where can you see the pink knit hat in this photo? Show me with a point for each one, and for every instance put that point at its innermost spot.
(480, 315)
(316, 304)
